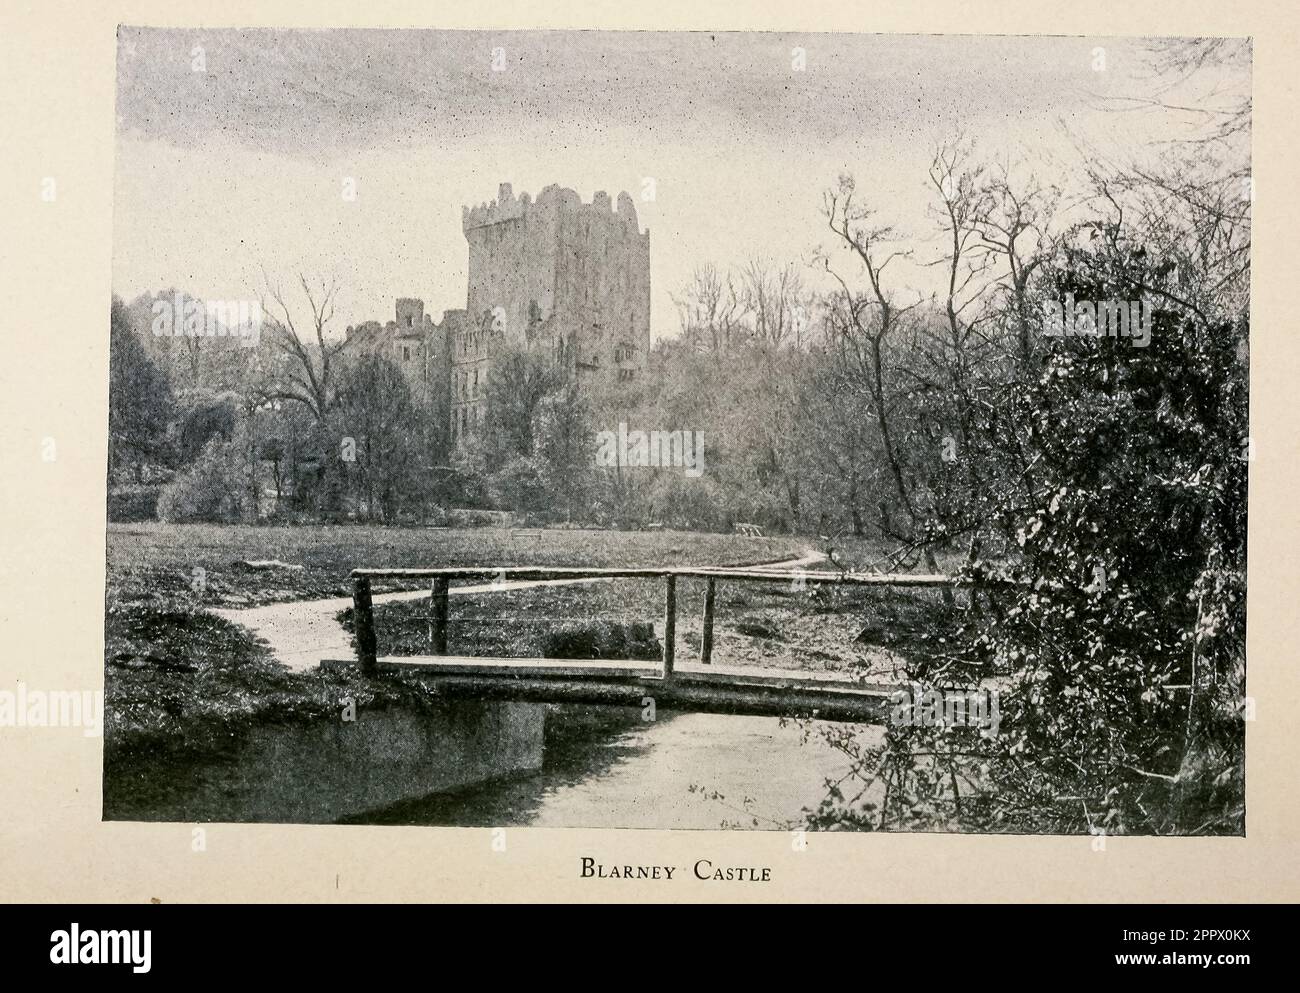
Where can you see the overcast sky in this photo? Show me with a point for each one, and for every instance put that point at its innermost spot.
(243, 164)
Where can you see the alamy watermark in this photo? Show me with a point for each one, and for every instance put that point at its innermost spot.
(26, 708)
(651, 449)
(91, 947)
(1098, 319)
(915, 706)
(184, 316)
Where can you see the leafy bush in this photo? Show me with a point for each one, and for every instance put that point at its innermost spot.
(1125, 633)
(1114, 635)
(603, 640)
(129, 504)
(216, 488)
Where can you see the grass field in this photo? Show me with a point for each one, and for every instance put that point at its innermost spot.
(157, 562)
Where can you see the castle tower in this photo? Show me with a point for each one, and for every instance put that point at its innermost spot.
(556, 274)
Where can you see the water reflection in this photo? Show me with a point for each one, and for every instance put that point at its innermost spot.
(683, 771)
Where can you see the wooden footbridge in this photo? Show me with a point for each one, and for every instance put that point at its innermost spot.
(694, 684)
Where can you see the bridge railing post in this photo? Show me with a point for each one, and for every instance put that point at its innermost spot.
(706, 643)
(364, 621)
(438, 615)
(670, 623)
(433, 591)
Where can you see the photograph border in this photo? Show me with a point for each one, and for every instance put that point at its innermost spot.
(57, 93)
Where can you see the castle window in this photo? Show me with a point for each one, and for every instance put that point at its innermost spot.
(406, 353)
(410, 321)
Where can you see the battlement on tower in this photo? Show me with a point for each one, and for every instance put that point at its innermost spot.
(553, 198)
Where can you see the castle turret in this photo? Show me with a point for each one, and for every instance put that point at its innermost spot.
(410, 312)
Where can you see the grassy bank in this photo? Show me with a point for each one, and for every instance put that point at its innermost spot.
(181, 683)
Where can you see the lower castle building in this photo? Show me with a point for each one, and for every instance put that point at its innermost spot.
(566, 278)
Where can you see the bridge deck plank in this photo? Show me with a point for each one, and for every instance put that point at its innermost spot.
(691, 671)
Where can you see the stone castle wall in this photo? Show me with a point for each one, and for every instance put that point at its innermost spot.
(568, 277)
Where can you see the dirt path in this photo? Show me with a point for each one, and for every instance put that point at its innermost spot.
(302, 633)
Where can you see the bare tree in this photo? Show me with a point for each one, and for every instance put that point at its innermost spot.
(966, 263)
(306, 374)
(1013, 225)
(774, 296)
(710, 309)
(1215, 114)
(865, 321)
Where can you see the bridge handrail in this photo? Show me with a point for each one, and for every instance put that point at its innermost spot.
(441, 582)
(661, 572)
